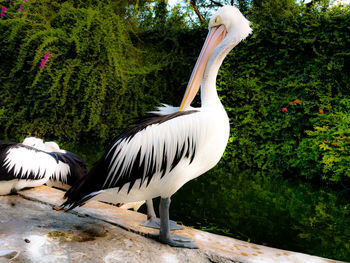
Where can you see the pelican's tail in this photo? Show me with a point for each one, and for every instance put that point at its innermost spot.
(83, 190)
(74, 199)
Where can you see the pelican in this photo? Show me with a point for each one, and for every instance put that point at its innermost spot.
(29, 164)
(176, 144)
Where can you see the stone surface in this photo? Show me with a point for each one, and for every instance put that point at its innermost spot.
(39, 234)
(31, 231)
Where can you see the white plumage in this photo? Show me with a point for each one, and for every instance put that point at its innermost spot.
(37, 143)
(190, 134)
(25, 161)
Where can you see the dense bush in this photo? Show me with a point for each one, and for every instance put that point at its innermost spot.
(287, 81)
(69, 72)
(79, 72)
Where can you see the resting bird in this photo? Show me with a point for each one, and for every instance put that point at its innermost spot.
(176, 145)
(28, 164)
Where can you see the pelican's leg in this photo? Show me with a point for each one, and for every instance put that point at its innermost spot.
(164, 235)
(153, 221)
(151, 215)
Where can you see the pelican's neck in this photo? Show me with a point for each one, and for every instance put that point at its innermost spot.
(209, 95)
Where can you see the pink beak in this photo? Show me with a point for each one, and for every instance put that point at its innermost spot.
(214, 38)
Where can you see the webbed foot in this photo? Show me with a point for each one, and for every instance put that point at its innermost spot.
(155, 223)
(176, 241)
(184, 242)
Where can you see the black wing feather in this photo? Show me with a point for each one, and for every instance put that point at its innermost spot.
(96, 179)
(77, 167)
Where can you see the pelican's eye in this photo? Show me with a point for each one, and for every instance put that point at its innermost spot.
(217, 21)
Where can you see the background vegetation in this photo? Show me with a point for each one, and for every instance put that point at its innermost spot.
(79, 72)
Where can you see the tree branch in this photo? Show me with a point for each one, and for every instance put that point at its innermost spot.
(216, 3)
(312, 3)
(195, 8)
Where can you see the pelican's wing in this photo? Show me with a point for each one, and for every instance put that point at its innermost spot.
(18, 161)
(155, 146)
(70, 167)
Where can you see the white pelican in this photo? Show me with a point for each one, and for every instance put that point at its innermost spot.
(174, 146)
(29, 164)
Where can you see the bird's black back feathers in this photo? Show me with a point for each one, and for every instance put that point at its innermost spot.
(96, 179)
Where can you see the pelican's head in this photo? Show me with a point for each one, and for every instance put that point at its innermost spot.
(227, 27)
(232, 21)
(34, 142)
(52, 147)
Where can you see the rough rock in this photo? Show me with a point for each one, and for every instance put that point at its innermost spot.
(39, 234)
(31, 231)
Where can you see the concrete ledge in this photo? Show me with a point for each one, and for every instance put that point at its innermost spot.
(212, 248)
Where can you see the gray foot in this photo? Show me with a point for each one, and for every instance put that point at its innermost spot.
(177, 241)
(181, 238)
(174, 243)
(156, 224)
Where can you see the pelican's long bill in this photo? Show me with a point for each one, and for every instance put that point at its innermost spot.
(214, 38)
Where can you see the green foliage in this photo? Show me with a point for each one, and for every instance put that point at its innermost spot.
(92, 82)
(288, 79)
(325, 151)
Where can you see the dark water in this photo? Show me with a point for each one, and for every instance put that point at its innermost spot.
(272, 211)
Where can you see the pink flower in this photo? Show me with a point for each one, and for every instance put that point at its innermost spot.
(45, 59)
(20, 8)
(284, 109)
(3, 10)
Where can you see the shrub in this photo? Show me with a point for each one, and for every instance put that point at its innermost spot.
(70, 72)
